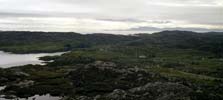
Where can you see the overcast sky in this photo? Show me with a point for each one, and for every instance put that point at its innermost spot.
(117, 16)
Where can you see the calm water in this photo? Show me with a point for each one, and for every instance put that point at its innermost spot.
(2, 87)
(36, 97)
(10, 60)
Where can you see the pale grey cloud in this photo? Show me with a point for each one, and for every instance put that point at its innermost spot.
(154, 29)
(123, 14)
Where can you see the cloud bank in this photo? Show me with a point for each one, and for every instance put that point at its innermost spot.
(111, 15)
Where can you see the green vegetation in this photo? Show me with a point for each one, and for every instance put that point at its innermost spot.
(116, 67)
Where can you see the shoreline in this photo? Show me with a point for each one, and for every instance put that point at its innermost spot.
(23, 59)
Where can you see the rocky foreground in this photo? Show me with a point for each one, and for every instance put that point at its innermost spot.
(107, 81)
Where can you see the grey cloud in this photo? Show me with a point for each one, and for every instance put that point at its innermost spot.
(204, 12)
(123, 20)
(176, 28)
(137, 21)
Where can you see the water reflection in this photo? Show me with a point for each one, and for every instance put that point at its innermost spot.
(2, 88)
(36, 97)
(9, 60)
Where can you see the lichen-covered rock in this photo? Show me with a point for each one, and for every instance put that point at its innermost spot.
(151, 91)
(77, 98)
(25, 83)
(104, 77)
(117, 94)
(162, 91)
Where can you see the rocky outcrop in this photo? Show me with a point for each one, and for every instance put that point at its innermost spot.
(150, 91)
(25, 83)
(162, 91)
(108, 81)
(103, 77)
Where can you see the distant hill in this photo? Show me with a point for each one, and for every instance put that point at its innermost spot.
(18, 42)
